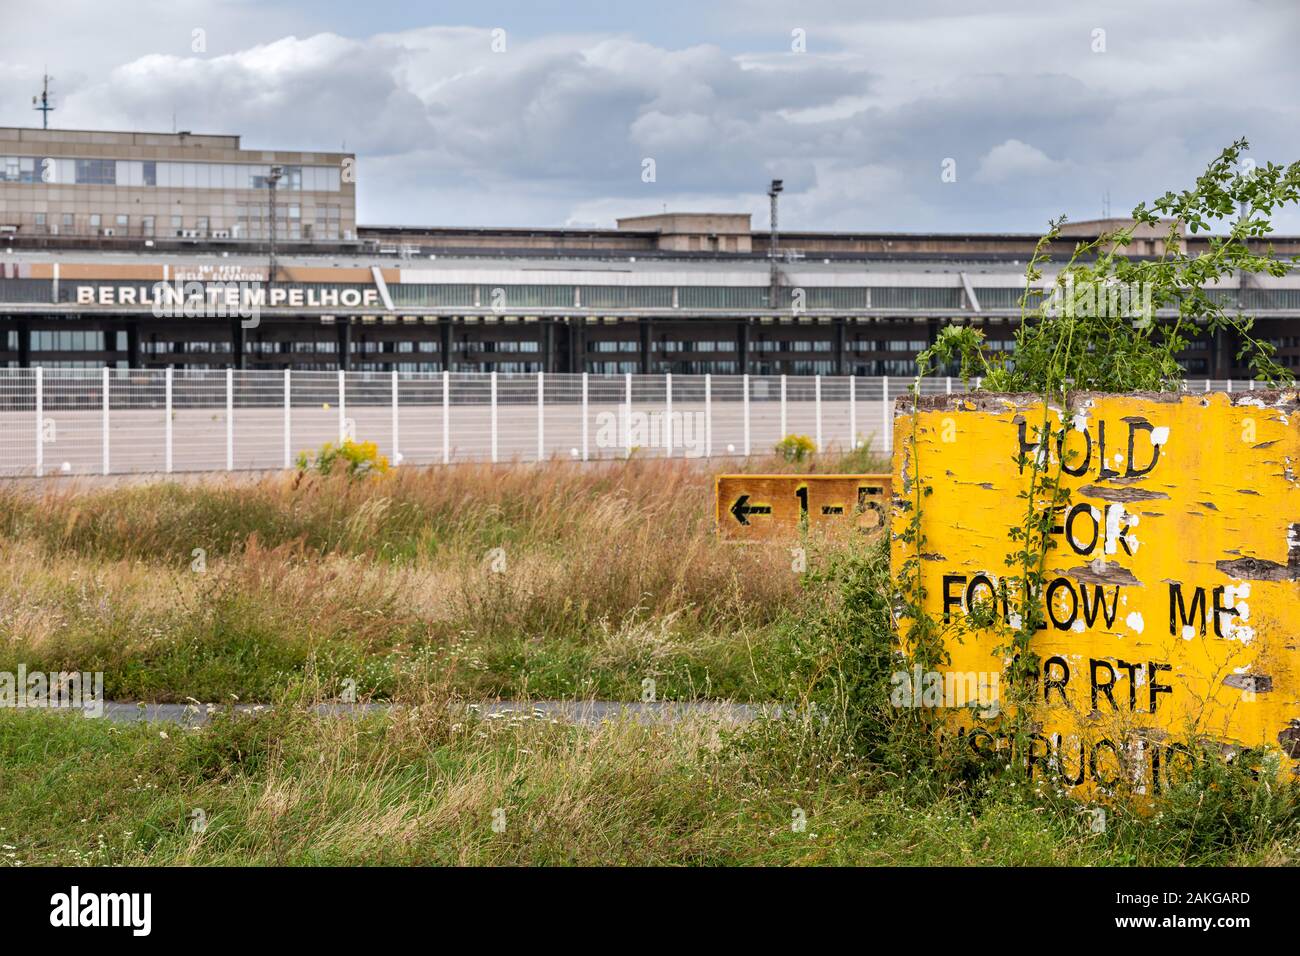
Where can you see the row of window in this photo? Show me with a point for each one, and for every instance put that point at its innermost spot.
(671, 345)
(796, 301)
(248, 224)
(505, 345)
(795, 345)
(55, 170)
(758, 346)
(72, 340)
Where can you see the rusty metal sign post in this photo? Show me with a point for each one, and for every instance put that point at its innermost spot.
(772, 507)
(1170, 592)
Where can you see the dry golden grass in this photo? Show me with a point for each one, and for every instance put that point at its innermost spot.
(552, 580)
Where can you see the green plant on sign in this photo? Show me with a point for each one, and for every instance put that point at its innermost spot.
(1104, 322)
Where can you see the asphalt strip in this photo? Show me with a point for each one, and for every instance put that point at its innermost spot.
(585, 713)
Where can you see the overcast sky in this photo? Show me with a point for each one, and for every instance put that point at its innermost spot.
(1042, 107)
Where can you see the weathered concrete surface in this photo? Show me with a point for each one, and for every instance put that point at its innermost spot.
(584, 713)
(1173, 587)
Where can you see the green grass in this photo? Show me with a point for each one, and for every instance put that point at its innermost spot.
(613, 576)
(286, 788)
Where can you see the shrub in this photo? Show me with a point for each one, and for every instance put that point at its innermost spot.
(795, 448)
(360, 459)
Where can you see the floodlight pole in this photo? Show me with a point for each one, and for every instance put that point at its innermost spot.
(774, 278)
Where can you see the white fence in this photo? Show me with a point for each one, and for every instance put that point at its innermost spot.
(116, 421)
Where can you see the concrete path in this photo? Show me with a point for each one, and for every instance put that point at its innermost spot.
(586, 713)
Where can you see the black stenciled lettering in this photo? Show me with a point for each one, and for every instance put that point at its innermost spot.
(1217, 603)
(1027, 447)
(1098, 603)
(1056, 684)
(1060, 762)
(975, 582)
(949, 599)
(1107, 688)
(1052, 588)
(1131, 670)
(1087, 457)
(1037, 757)
(1134, 427)
(1075, 512)
(978, 734)
(1106, 471)
(1092, 760)
(1153, 669)
(1178, 612)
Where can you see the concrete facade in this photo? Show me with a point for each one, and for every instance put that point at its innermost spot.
(97, 228)
(122, 185)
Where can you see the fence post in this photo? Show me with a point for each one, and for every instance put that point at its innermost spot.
(230, 419)
(287, 418)
(446, 417)
(853, 413)
(627, 417)
(584, 416)
(783, 431)
(541, 418)
(40, 424)
(104, 435)
(493, 393)
(1251, 386)
(1229, 386)
(668, 411)
(397, 455)
(167, 430)
(947, 385)
(745, 399)
(884, 414)
(708, 415)
(817, 407)
(343, 406)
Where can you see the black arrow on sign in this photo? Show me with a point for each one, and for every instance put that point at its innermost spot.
(742, 508)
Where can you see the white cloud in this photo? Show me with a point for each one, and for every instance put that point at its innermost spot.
(1013, 160)
(556, 128)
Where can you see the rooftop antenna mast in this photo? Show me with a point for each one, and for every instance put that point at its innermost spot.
(42, 103)
(774, 279)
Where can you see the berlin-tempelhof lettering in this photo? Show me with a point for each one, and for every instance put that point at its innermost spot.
(1168, 594)
(241, 299)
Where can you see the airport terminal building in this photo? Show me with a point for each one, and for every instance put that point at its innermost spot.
(148, 250)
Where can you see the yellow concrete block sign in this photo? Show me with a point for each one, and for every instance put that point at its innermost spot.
(1171, 590)
(766, 507)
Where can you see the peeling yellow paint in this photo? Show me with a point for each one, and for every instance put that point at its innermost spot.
(1173, 581)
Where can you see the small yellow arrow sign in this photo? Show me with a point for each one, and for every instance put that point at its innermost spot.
(765, 507)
